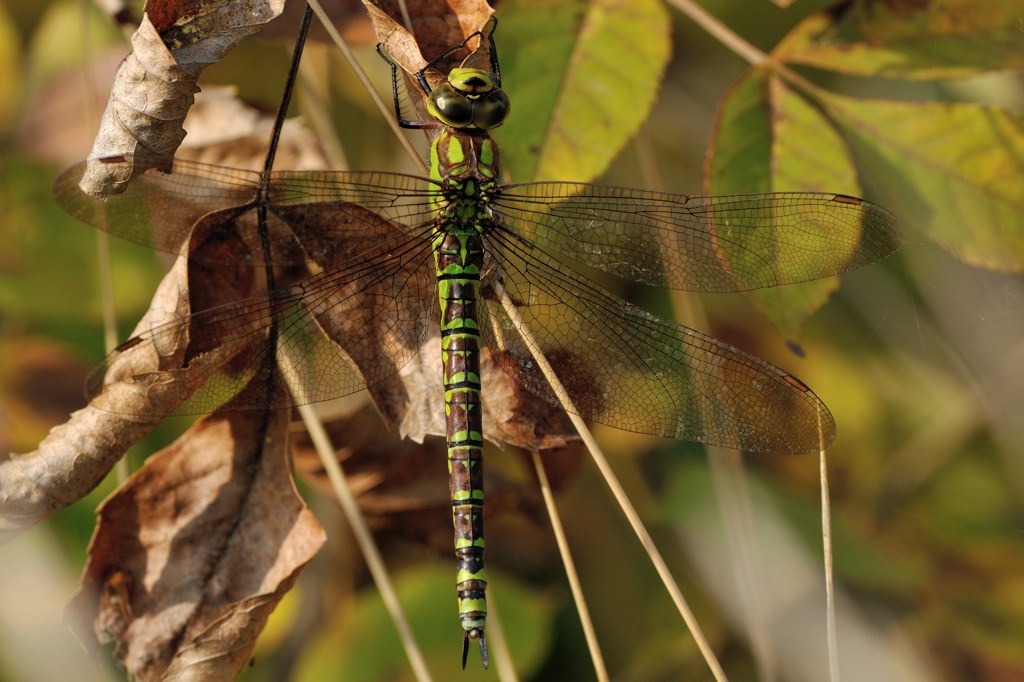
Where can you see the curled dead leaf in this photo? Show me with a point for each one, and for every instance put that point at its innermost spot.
(156, 85)
(435, 27)
(225, 131)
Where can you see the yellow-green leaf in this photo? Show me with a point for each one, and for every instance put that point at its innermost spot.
(582, 77)
(950, 39)
(954, 171)
(740, 146)
(768, 139)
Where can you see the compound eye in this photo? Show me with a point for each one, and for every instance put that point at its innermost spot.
(450, 107)
(491, 110)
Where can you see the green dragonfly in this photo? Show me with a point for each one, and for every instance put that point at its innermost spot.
(353, 298)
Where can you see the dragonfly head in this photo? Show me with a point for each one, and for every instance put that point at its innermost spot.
(469, 99)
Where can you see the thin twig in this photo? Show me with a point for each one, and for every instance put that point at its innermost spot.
(738, 45)
(830, 592)
(723, 33)
(406, 19)
(315, 428)
(363, 537)
(313, 97)
(732, 495)
(600, 670)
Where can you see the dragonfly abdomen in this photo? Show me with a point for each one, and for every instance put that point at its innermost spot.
(458, 255)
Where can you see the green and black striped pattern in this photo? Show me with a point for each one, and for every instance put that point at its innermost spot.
(465, 165)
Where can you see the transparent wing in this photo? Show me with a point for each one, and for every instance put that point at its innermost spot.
(627, 368)
(159, 209)
(354, 323)
(700, 243)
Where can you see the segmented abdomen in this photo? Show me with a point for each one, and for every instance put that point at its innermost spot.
(459, 255)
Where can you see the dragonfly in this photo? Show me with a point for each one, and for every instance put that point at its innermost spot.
(367, 263)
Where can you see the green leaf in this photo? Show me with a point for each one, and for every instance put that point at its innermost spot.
(954, 171)
(582, 77)
(920, 41)
(808, 153)
(768, 139)
(739, 152)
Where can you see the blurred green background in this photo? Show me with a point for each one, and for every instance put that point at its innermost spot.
(920, 359)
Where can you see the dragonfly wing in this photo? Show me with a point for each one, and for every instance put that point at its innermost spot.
(158, 209)
(374, 305)
(395, 196)
(627, 368)
(354, 323)
(701, 243)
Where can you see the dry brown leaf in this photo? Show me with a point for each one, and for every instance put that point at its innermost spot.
(223, 130)
(156, 85)
(220, 651)
(437, 26)
(193, 552)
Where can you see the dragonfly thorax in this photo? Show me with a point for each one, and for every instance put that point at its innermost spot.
(464, 163)
(469, 99)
